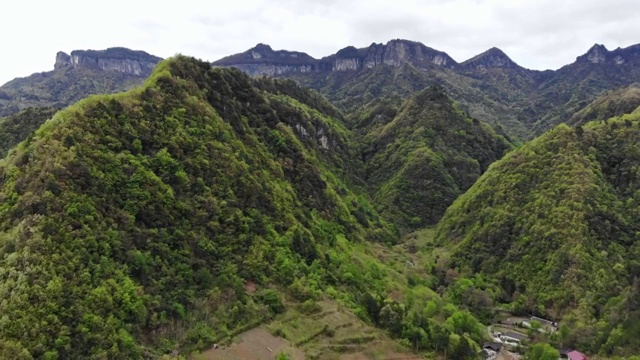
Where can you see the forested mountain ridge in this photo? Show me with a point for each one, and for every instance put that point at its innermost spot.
(611, 104)
(205, 202)
(76, 76)
(168, 218)
(18, 127)
(427, 155)
(555, 223)
(123, 213)
(490, 86)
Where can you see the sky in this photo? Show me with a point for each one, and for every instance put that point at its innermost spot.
(537, 34)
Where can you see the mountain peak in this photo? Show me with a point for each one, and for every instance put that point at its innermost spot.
(62, 60)
(262, 47)
(492, 58)
(263, 54)
(597, 54)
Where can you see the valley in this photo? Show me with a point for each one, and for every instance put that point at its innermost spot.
(386, 202)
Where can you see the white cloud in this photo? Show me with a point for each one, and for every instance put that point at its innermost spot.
(536, 34)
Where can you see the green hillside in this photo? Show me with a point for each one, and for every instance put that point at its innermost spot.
(174, 216)
(496, 96)
(427, 155)
(18, 127)
(613, 103)
(555, 223)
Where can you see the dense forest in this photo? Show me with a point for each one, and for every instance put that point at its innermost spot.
(555, 224)
(157, 222)
(425, 156)
(132, 223)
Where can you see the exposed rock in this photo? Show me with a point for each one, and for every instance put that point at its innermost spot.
(597, 54)
(262, 60)
(63, 60)
(75, 76)
(4, 95)
(137, 63)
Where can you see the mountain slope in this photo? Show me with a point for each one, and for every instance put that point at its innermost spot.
(556, 223)
(426, 156)
(127, 217)
(490, 86)
(18, 127)
(202, 204)
(614, 103)
(77, 76)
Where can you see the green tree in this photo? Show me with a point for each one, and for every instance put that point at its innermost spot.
(542, 351)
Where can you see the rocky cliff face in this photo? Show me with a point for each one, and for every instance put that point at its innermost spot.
(130, 62)
(394, 53)
(599, 54)
(76, 76)
(262, 60)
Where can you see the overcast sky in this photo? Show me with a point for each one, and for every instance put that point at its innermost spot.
(537, 34)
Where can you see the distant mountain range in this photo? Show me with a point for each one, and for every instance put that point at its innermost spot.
(490, 86)
(75, 76)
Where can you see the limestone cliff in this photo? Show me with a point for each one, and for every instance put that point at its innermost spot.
(262, 60)
(130, 62)
(599, 54)
(75, 76)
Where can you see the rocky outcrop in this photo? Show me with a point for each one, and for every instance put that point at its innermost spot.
(76, 76)
(130, 62)
(63, 60)
(598, 54)
(394, 53)
(262, 60)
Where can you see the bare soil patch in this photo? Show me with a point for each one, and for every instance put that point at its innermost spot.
(255, 344)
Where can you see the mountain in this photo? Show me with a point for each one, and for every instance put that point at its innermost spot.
(492, 58)
(612, 103)
(574, 86)
(76, 76)
(263, 60)
(425, 156)
(204, 203)
(18, 127)
(555, 224)
(490, 86)
(353, 77)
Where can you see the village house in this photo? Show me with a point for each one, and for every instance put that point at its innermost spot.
(513, 338)
(572, 355)
(491, 350)
(546, 325)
